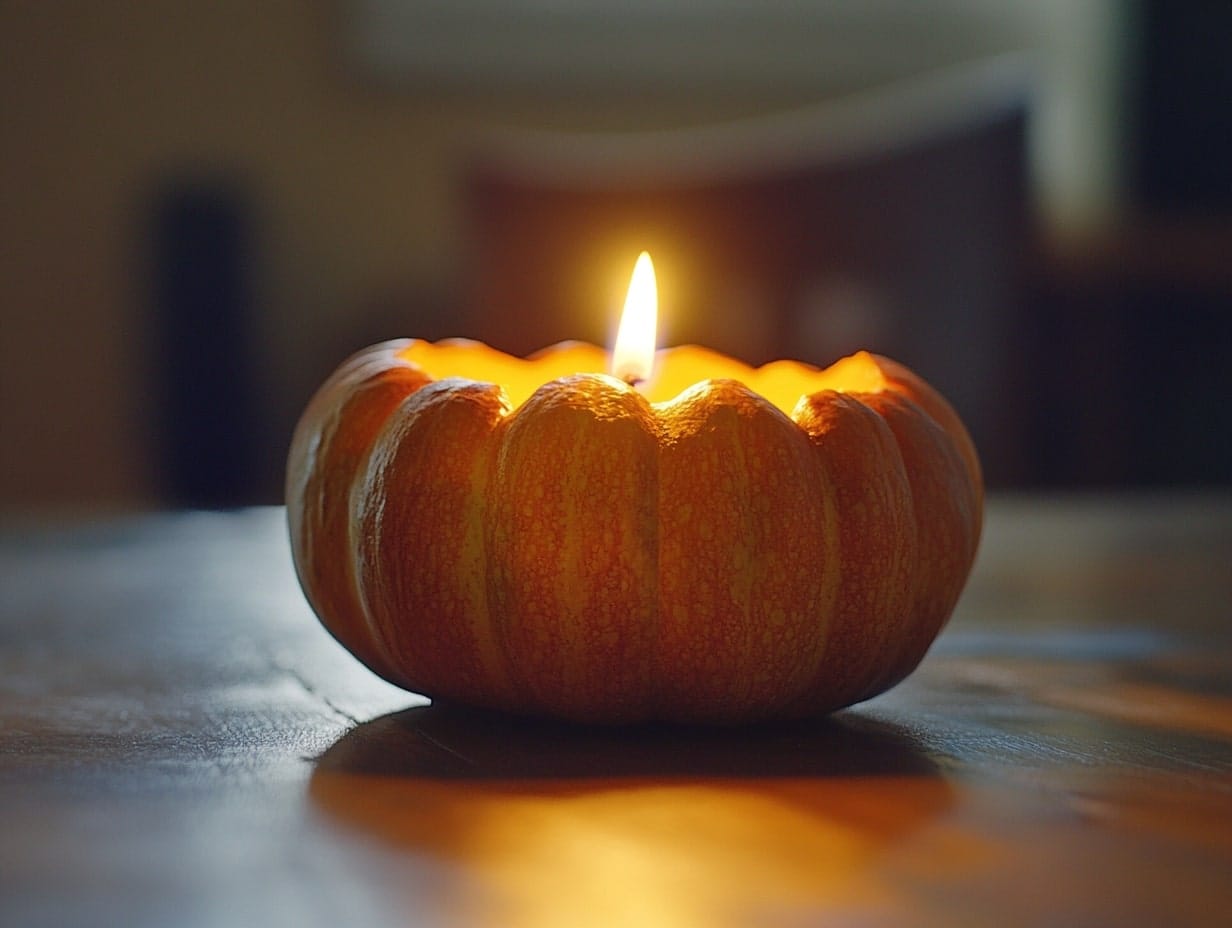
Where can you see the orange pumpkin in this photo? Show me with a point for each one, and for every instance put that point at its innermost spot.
(780, 542)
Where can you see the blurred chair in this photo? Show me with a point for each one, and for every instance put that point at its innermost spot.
(896, 221)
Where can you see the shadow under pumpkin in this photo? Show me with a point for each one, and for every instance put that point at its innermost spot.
(547, 823)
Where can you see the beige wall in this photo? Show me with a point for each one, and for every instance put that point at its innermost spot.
(98, 101)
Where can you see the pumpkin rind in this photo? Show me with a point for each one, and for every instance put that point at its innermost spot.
(421, 542)
(571, 522)
(747, 540)
(330, 444)
(592, 556)
(876, 546)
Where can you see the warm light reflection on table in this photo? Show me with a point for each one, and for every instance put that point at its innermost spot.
(548, 825)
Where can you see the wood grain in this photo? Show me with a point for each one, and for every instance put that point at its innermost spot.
(180, 743)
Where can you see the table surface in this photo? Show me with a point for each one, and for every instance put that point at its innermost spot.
(182, 744)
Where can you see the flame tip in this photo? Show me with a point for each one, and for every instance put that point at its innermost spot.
(633, 355)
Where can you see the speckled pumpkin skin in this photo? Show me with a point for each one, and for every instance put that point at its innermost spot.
(590, 556)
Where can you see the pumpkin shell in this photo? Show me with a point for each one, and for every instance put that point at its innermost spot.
(590, 556)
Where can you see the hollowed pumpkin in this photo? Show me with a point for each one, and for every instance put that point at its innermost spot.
(775, 542)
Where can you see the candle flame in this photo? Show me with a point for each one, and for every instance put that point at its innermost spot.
(633, 356)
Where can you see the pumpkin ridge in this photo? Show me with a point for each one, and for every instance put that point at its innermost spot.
(571, 527)
(361, 498)
(656, 670)
(833, 573)
(889, 668)
(495, 656)
(497, 614)
(329, 443)
(860, 468)
(942, 479)
(742, 540)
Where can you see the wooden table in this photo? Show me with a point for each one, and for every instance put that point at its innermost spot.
(181, 744)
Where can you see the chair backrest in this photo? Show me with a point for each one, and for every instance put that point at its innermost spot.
(897, 221)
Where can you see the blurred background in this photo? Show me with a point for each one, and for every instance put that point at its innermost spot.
(206, 206)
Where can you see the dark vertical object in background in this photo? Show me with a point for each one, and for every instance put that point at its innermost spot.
(1180, 324)
(202, 290)
(1184, 107)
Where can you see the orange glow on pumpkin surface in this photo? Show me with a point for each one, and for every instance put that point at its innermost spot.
(660, 375)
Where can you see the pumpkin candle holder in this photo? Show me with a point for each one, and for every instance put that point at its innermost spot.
(718, 544)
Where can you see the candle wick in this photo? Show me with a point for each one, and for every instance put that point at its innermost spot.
(632, 379)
